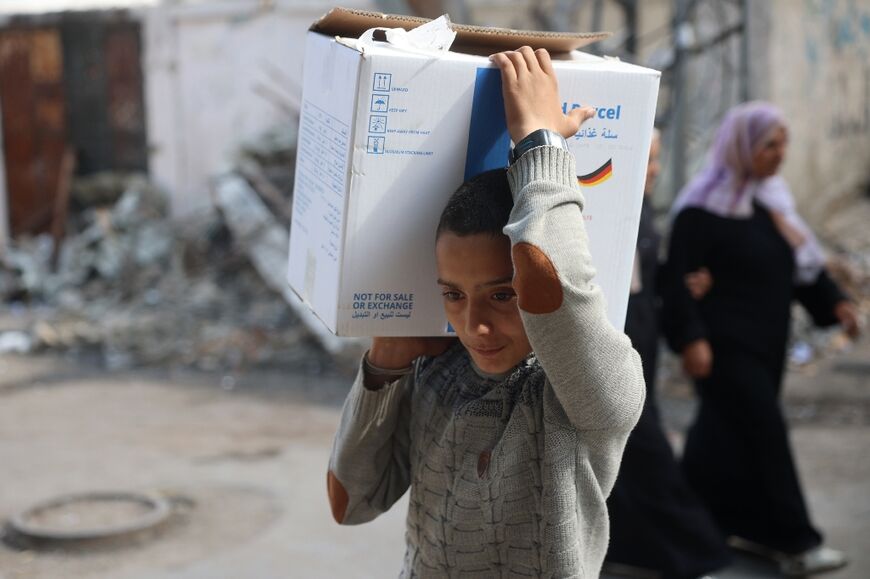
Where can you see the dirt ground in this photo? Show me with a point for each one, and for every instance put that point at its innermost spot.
(243, 458)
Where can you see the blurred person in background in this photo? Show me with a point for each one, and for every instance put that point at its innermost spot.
(657, 524)
(738, 219)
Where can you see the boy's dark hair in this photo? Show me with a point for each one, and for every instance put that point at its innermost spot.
(481, 205)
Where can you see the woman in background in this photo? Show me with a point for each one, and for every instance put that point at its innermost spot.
(657, 524)
(738, 219)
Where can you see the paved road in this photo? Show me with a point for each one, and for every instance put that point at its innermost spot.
(245, 465)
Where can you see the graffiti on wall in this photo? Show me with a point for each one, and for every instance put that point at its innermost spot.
(837, 53)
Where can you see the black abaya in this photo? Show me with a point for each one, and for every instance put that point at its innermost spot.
(656, 521)
(737, 457)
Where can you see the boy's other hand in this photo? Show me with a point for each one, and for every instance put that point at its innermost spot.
(531, 95)
(398, 353)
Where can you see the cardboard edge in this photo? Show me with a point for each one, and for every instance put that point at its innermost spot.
(350, 181)
(352, 23)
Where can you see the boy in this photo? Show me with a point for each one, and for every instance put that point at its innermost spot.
(510, 441)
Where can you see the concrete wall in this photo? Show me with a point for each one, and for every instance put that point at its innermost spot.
(819, 58)
(218, 74)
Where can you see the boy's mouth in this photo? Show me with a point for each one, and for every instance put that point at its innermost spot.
(487, 352)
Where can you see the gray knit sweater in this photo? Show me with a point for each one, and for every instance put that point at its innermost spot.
(508, 474)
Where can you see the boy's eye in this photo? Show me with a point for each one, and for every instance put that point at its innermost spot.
(451, 295)
(503, 296)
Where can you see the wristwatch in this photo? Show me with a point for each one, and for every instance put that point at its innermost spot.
(539, 138)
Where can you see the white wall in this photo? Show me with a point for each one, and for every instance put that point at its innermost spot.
(820, 63)
(206, 67)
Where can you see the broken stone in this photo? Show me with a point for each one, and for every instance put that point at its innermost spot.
(15, 342)
(110, 258)
(140, 203)
(152, 243)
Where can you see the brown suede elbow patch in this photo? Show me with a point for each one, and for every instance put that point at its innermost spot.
(338, 498)
(536, 281)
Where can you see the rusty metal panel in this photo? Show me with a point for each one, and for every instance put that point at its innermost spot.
(34, 123)
(75, 81)
(49, 111)
(46, 62)
(126, 110)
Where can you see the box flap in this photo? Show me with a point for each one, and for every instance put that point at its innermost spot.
(352, 23)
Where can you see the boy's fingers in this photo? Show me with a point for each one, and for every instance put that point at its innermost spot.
(544, 60)
(518, 61)
(508, 72)
(577, 117)
(529, 56)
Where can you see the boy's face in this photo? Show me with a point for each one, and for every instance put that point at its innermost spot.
(475, 273)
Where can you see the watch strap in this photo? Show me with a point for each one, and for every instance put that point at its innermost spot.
(539, 138)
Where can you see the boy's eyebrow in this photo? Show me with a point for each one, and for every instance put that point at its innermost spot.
(495, 282)
(499, 281)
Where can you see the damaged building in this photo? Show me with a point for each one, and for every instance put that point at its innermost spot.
(148, 150)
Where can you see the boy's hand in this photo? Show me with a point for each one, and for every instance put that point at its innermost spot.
(398, 353)
(531, 95)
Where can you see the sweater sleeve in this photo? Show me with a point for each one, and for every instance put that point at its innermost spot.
(591, 366)
(681, 316)
(369, 469)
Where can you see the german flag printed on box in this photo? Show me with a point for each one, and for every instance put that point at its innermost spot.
(598, 176)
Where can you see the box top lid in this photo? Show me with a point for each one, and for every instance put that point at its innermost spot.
(352, 23)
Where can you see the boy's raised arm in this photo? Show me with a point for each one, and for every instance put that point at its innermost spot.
(592, 367)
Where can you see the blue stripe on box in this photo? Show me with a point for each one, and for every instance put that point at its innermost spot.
(488, 139)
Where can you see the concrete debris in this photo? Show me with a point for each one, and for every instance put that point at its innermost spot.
(15, 342)
(134, 288)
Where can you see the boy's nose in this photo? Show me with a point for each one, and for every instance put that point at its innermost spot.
(476, 323)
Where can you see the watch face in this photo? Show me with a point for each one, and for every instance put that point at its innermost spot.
(539, 138)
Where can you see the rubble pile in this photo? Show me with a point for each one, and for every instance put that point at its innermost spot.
(138, 289)
(274, 154)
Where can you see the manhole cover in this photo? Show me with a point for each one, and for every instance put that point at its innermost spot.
(96, 515)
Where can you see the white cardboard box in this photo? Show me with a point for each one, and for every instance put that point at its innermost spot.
(387, 135)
